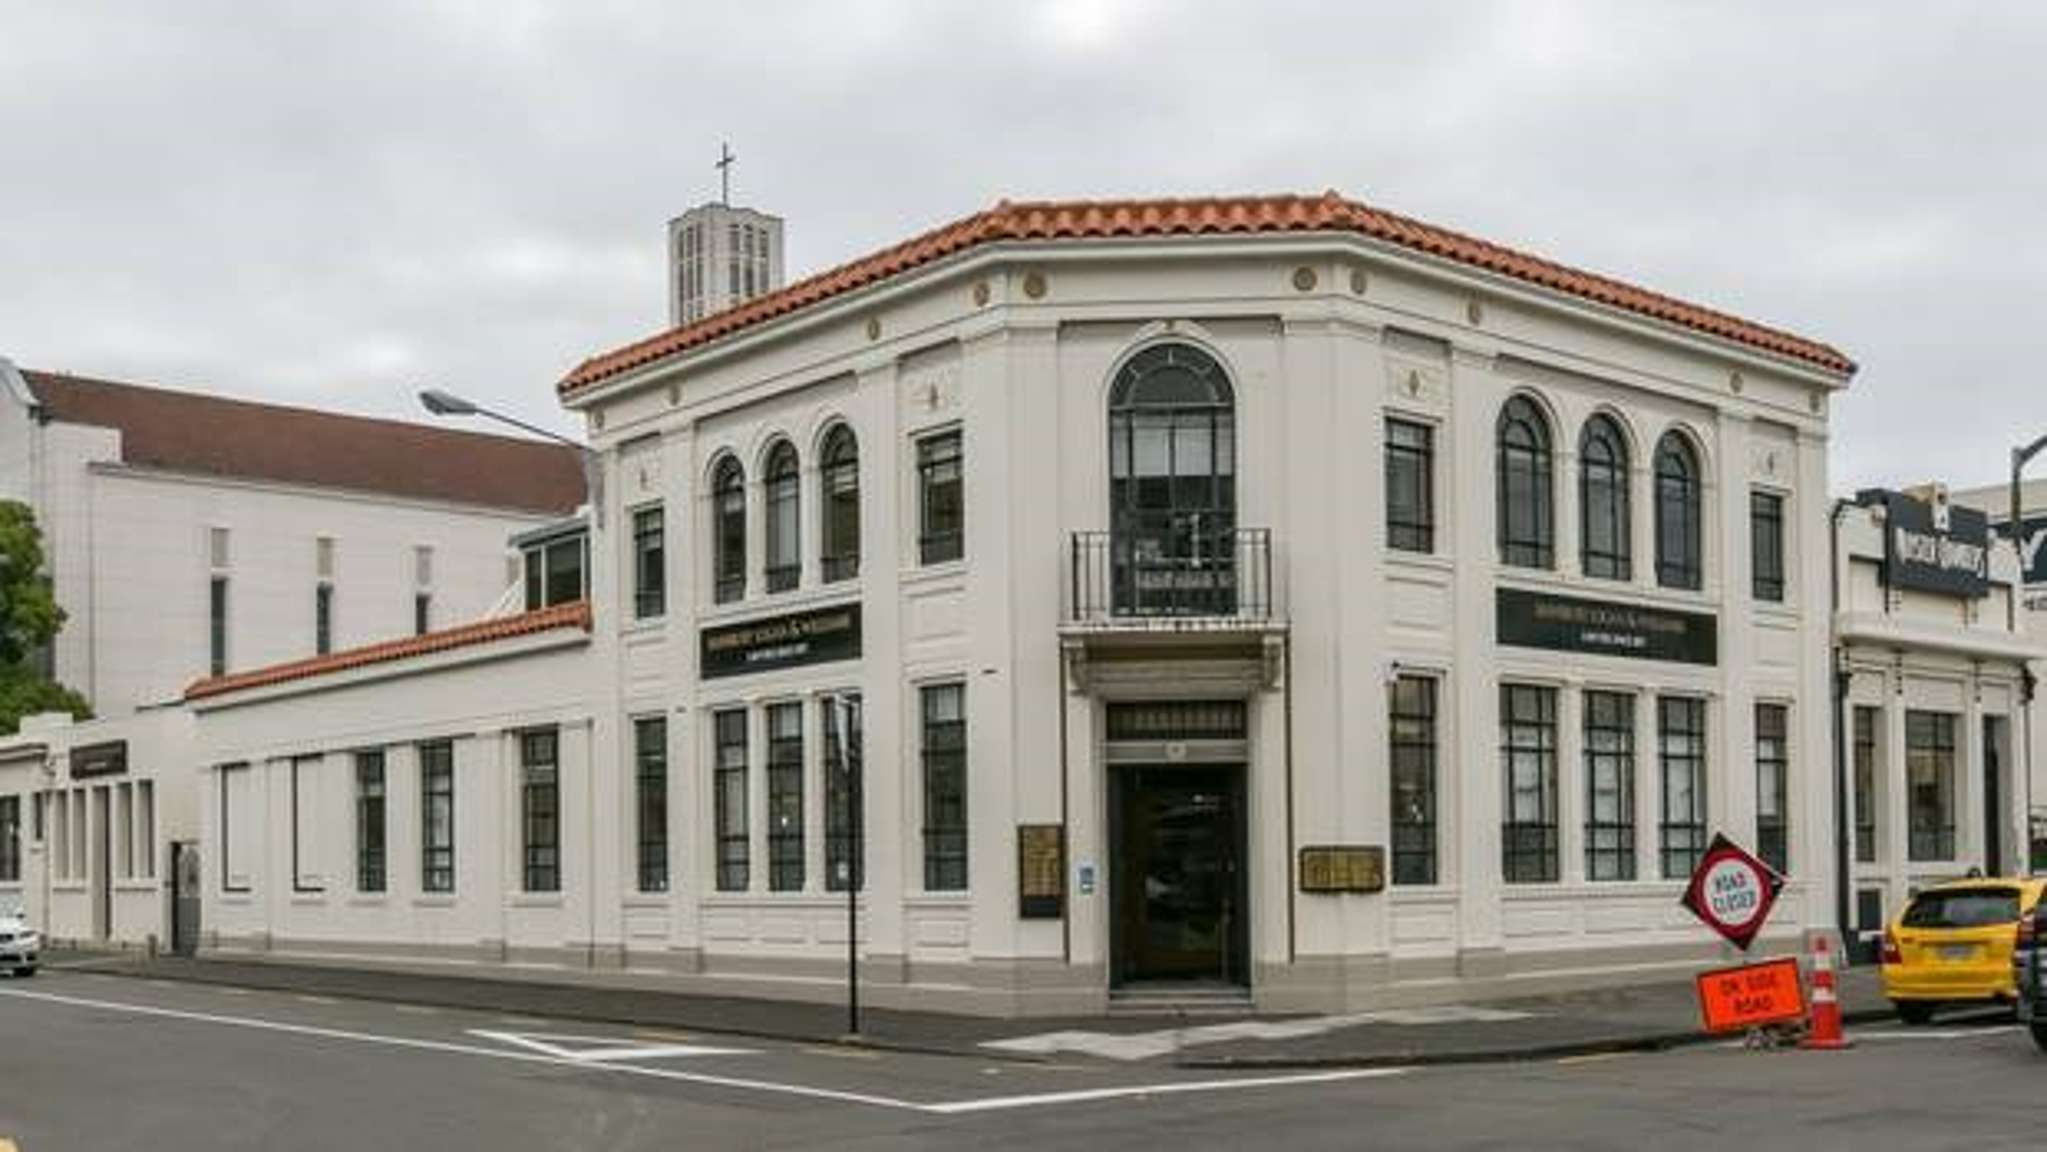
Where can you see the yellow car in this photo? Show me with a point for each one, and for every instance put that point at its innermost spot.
(1953, 945)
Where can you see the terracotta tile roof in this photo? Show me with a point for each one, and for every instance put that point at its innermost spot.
(213, 436)
(571, 615)
(1123, 219)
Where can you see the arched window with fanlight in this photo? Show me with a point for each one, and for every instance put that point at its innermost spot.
(1173, 485)
(839, 486)
(1679, 533)
(781, 486)
(1526, 512)
(1604, 538)
(728, 530)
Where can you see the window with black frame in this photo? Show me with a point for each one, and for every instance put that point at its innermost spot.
(839, 483)
(729, 780)
(1173, 485)
(1679, 530)
(1930, 785)
(1526, 516)
(540, 809)
(437, 816)
(1865, 785)
(841, 723)
(10, 839)
(1605, 538)
(1412, 735)
(941, 508)
(369, 821)
(728, 530)
(785, 797)
(1681, 750)
(1528, 754)
(781, 495)
(1609, 785)
(943, 707)
(1410, 485)
(650, 801)
(1766, 545)
(1773, 788)
(650, 568)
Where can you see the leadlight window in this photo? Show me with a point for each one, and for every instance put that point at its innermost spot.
(1527, 521)
(1528, 753)
(1766, 545)
(843, 853)
(1773, 768)
(839, 482)
(1173, 484)
(217, 627)
(728, 530)
(1609, 786)
(1930, 785)
(540, 809)
(1410, 486)
(1865, 784)
(781, 495)
(729, 779)
(943, 708)
(650, 801)
(941, 509)
(1679, 533)
(1681, 740)
(323, 618)
(785, 797)
(1412, 734)
(1605, 549)
(369, 822)
(650, 568)
(437, 816)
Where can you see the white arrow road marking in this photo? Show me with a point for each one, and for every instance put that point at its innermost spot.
(598, 1049)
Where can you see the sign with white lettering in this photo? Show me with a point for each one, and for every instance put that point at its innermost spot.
(1936, 547)
(1605, 627)
(781, 642)
(2032, 550)
(1732, 891)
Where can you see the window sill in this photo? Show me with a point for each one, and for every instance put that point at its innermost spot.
(960, 899)
(369, 900)
(435, 900)
(647, 901)
(917, 575)
(753, 607)
(1430, 561)
(535, 900)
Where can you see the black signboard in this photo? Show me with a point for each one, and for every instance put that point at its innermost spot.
(1936, 547)
(815, 637)
(105, 759)
(1605, 627)
(2032, 549)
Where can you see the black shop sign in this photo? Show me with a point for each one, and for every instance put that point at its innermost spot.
(1605, 628)
(108, 758)
(1935, 547)
(800, 638)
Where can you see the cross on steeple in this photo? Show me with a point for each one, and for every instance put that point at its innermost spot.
(724, 166)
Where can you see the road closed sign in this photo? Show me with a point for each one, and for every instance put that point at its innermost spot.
(1732, 891)
(1752, 996)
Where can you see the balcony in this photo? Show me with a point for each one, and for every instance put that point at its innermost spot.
(1137, 581)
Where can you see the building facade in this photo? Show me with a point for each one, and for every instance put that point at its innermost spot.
(1271, 598)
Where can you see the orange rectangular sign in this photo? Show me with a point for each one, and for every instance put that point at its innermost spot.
(1751, 996)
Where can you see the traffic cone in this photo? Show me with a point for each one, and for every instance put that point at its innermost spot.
(1824, 1033)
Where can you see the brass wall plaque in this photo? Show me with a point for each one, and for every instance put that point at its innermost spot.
(1343, 868)
(1040, 871)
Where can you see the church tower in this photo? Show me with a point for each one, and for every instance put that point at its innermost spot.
(720, 256)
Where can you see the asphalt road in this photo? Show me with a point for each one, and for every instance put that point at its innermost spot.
(102, 1063)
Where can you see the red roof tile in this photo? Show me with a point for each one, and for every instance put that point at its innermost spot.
(204, 435)
(1110, 219)
(572, 615)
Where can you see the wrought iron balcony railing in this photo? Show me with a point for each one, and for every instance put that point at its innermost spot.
(1225, 575)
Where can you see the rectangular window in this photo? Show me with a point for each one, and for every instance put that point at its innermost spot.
(423, 565)
(650, 573)
(1681, 739)
(945, 787)
(650, 778)
(422, 613)
(1766, 545)
(554, 572)
(1773, 766)
(369, 821)
(1865, 785)
(437, 816)
(145, 828)
(1930, 785)
(785, 797)
(1410, 486)
(323, 619)
(236, 814)
(124, 830)
(305, 825)
(540, 809)
(842, 801)
(1412, 752)
(1528, 752)
(729, 734)
(217, 547)
(217, 627)
(941, 514)
(10, 839)
(1609, 786)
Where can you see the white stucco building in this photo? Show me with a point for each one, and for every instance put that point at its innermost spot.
(1270, 598)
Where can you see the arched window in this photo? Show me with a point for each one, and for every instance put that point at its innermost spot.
(1527, 519)
(1604, 539)
(780, 490)
(1678, 532)
(728, 530)
(1173, 485)
(839, 481)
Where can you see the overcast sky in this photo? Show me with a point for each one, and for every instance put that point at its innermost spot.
(334, 203)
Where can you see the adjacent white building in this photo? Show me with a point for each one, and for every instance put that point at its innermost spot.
(1269, 598)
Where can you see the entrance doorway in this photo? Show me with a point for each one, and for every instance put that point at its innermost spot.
(185, 874)
(1178, 892)
(1994, 744)
(102, 864)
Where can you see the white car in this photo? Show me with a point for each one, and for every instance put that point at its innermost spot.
(20, 945)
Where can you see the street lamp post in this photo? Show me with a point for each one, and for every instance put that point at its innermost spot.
(2017, 530)
(443, 403)
(846, 710)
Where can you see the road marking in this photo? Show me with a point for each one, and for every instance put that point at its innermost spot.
(316, 999)
(841, 1053)
(224, 990)
(1933, 1034)
(1132, 1046)
(1090, 1095)
(416, 1009)
(1594, 1058)
(599, 1049)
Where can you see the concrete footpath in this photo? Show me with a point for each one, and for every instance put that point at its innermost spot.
(1641, 1018)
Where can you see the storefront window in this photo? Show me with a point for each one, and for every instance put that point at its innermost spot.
(1528, 753)
(1930, 785)
(1609, 786)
